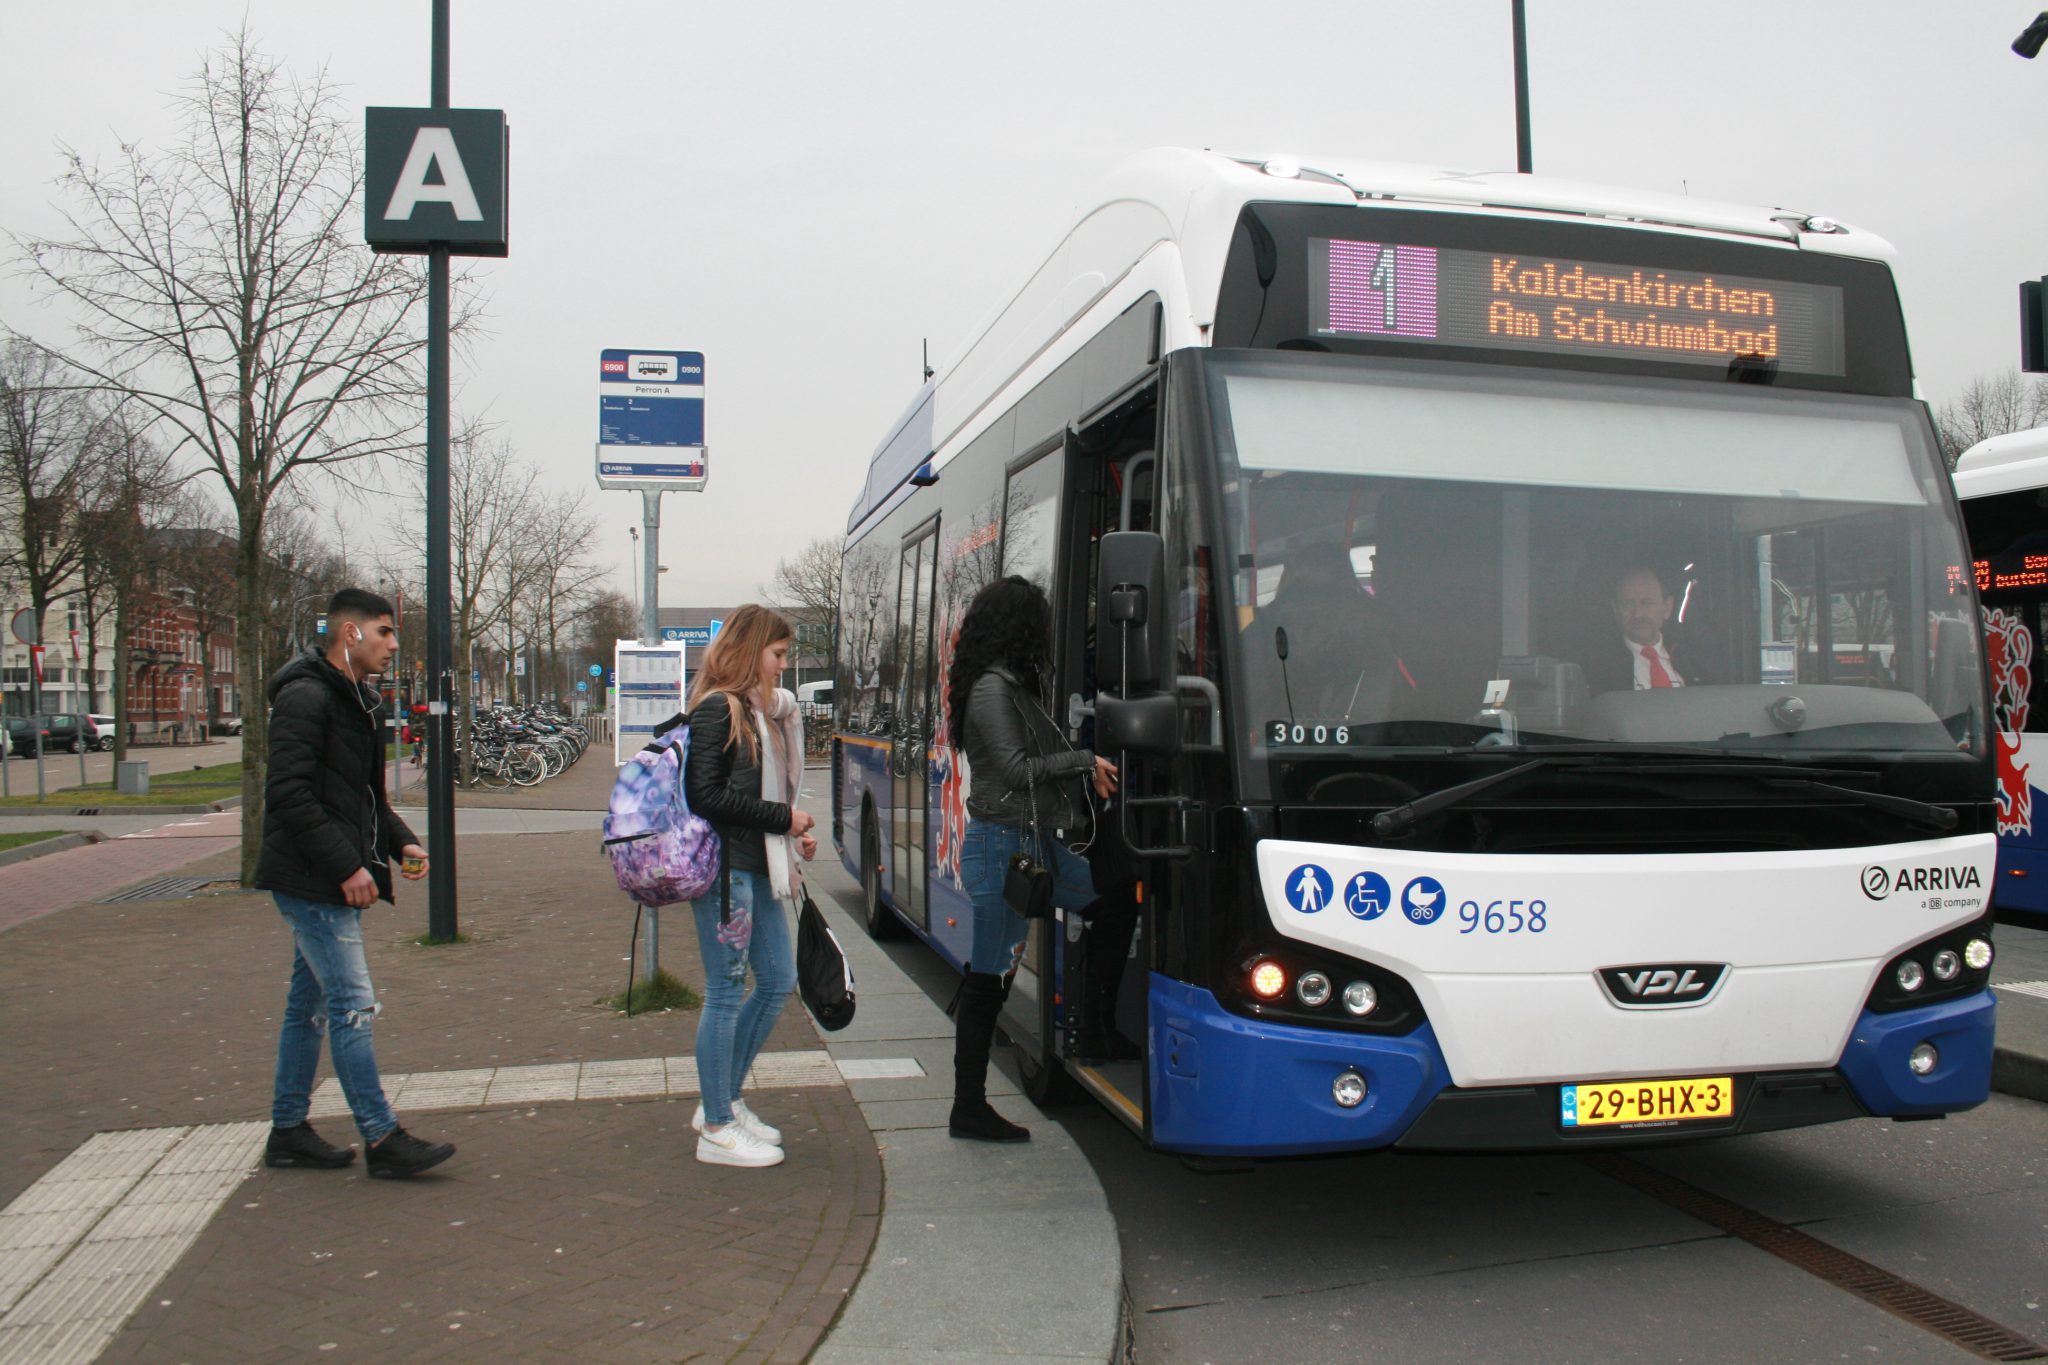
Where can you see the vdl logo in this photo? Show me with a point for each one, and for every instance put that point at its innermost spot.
(1879, 882)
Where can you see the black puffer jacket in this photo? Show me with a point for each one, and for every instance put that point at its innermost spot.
(723, 784)
(1016, 756)
(324, 810)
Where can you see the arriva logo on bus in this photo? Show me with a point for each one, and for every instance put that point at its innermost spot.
(1879, 882)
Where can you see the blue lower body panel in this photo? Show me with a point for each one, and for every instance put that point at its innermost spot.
(1224, 1085)
(1960, 1030)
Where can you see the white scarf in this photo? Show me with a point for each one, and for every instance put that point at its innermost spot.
(777, 784)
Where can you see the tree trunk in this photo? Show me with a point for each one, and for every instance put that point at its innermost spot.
(249, 669)
(122, 592)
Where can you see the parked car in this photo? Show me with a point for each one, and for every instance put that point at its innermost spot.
(74, 732)
(229, 725)
(21, 735)
(105, 725)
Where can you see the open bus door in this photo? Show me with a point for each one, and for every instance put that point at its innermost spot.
(1078, 1012)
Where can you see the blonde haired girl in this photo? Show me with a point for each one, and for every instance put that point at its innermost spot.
(745, 764)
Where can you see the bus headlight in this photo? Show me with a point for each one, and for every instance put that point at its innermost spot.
(1977, 954)
(1923, 1059)
(1946, 965)
(1313, 989)
(1360, 999)
(1269, 979)
(1349, 1089)
(1910, 975)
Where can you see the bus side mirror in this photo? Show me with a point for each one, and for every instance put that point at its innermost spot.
(1133, 614)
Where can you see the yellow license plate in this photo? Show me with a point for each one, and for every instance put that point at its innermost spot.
(1647, 1103)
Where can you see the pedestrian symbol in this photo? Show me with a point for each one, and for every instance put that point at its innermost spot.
(1308, 888)
(1368, 895)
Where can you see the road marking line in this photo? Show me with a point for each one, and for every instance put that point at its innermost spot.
(2039, 988)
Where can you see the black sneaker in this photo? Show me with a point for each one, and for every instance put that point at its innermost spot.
(401, 1154)
(301, 1146)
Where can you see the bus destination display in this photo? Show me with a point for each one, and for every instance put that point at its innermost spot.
(1509, 301)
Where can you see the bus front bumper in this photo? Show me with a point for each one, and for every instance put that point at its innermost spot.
(1225, 1085)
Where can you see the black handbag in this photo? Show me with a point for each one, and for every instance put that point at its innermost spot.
(1027, 887)
(823, 978)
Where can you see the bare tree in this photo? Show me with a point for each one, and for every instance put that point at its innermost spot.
(808, 581)
(492, 511)
(219, 285)
(52, 437)
(300, 568)
(560, 574)
(1990, 405)
(195, 562)
(128, 502)
(606, 617)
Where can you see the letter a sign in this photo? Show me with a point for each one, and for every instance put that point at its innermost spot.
(435, 177)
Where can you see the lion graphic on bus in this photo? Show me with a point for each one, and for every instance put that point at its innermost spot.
(2011, 648)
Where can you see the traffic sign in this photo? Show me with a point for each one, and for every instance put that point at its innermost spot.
(597, 670)
(650, 420)
(435, 177)
(582, 686)
(24, 626)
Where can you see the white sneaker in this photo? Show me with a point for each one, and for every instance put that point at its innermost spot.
(747, 1119)
(733, 1145)
(755, 1124)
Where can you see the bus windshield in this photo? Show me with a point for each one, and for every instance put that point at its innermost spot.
(1431, 557)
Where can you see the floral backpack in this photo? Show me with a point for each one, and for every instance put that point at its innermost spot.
(660, 852)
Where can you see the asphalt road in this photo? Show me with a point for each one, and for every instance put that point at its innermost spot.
(1546, 1258)
(1536, 1259)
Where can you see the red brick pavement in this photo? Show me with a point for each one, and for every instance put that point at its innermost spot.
(39, 886)
(559, 1231)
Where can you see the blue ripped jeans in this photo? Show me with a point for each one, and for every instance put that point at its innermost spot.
(735, 1022)
(998, 943)
(330, 993)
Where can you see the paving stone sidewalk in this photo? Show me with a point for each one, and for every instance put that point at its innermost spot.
(563, 1230)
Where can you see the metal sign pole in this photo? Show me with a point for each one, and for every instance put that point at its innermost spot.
(650, 634)
(441, 914)
(650, 536)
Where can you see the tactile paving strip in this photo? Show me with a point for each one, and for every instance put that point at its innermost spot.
(83, 1246)
(635, 1078)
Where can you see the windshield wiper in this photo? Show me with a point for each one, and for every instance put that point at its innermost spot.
(1400, 819)
(1905, 807)
(1403, 817)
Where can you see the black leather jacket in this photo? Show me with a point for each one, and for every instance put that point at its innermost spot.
(723, 784)
(325, 813)
(1014, 761)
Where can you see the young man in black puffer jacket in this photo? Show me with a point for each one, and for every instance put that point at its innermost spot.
(329, 834)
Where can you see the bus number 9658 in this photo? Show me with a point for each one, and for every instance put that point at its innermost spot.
(1504, 917)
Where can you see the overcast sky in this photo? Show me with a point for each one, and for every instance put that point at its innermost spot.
(806, 191)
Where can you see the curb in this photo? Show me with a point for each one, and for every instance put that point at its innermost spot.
(2021, 1074)
(959, 1218)
(211, 808)
(56, 844)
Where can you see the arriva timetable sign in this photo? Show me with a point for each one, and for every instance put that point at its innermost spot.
(650, 419)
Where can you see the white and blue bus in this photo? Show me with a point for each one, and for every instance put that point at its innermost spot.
(1348, 483)
(2004, 486)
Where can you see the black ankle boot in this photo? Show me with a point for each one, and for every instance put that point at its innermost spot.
(974, 1024)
